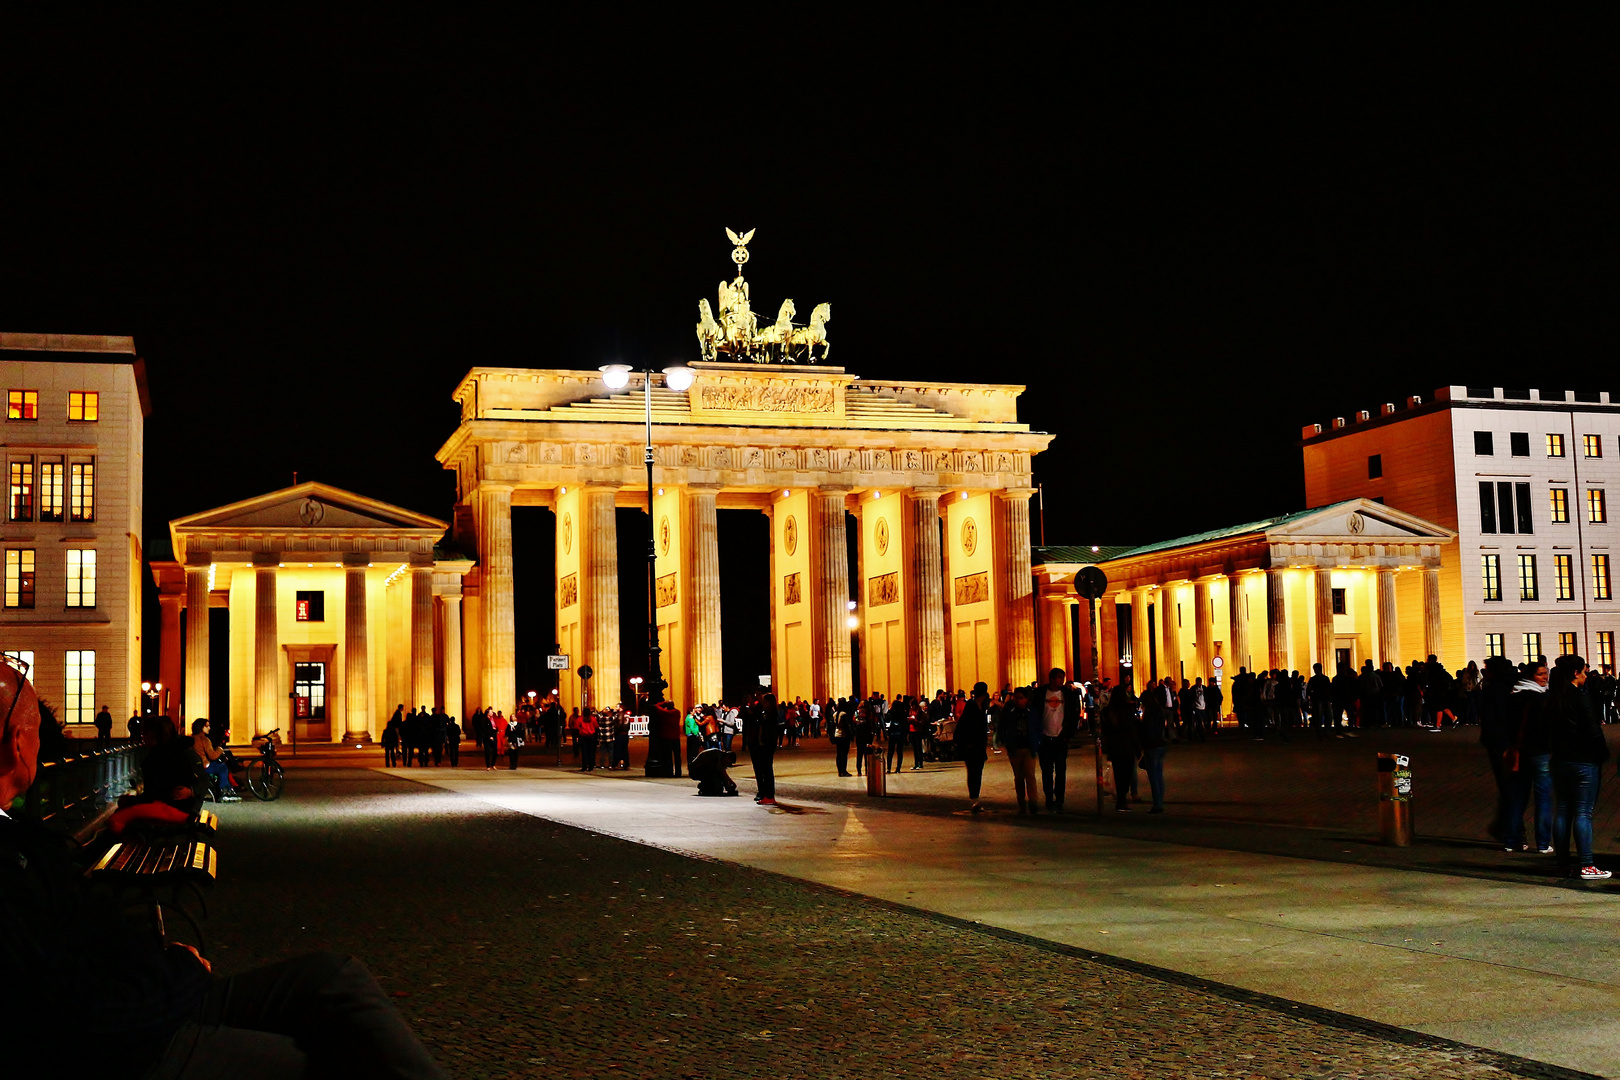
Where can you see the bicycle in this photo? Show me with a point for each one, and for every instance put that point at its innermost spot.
(263, 776)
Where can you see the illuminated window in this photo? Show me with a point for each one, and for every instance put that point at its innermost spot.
(84, 405)
(309, 691)
(1532, 648)
(1567, 645)
(1564, 574)
(1527, 577)
(20, 578)
(81, 577)
(1592, 445)
(22, 490)
(1493, 644)
(1605, 649)
(1555, 446)
(22, 405)
(22, 657)
(309, 606)
(1596, 510)
(1559, 499)
(82, 491)
(1600, 578)
(79, 695)
(52, 499)
(1492, 567)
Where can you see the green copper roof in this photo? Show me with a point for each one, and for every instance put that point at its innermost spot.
(1228, 532)
(1081, 554)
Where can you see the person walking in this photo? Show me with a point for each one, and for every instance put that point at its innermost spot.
(452, 740)
(1579, 750)
(761, 728)
(390, 742)
(972, 737)
(1020, 735)
(1156, 734)
(841, 726)
(514, 741)
(865, 729)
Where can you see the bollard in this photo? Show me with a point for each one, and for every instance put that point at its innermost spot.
(1395, 799)
(877, 773)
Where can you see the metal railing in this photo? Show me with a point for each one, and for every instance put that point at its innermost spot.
(74, 791)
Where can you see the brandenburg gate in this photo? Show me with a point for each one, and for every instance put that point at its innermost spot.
(936, 477)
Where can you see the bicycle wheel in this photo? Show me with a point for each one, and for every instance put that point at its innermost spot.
(265, 779)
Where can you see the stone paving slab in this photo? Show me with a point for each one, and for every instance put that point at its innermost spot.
(1410, 950)
(518, 946)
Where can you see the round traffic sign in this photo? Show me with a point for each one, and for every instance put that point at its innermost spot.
(585, 671)
(1091, 583)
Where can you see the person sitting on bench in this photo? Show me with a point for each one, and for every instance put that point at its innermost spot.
(87, 994)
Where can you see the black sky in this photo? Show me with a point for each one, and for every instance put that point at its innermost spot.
(1187, 236)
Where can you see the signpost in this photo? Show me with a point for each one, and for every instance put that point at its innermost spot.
(1091, 583)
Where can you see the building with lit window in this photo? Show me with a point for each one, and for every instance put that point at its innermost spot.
(1522, 475)
(74, 447)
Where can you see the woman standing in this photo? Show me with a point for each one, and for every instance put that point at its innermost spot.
(1020, 736)
(514, 741)
(694, 736)
(587, 741)
(972, 733)
(1578, 753)
(1121, 744)
(863, 735)
(495, 745)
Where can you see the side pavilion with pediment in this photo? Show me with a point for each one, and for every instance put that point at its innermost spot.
(936, 476)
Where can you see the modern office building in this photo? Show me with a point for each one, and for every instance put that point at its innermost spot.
(1523, 476)
(71, 536)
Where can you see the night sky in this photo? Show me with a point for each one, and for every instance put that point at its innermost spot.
(1188, 237)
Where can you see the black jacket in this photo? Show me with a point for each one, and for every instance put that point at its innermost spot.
(1574, 731)
(972, 732)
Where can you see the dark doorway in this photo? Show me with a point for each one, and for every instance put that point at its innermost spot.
(745, 600)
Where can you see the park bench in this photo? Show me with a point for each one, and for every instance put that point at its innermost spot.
(163, 865)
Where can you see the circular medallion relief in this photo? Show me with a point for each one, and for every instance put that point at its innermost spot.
(970, 537)
(790, 535)
(1356, 523)
(310, 512)
(663, 536)
(880, 535)
(568, 534)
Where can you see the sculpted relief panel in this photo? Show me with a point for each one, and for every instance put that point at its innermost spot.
(768, 399)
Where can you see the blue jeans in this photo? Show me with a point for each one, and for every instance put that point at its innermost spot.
(1153, 762)
(1534, 778)
(1576, 784)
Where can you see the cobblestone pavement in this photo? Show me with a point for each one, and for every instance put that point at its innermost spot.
(519, 947)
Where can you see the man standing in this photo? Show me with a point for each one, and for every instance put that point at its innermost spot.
(104, 728)
(761, 726)
(1319, 691)
(1060, 716)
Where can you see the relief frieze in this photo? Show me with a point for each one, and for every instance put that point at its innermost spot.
(769, 399)
(883, 589)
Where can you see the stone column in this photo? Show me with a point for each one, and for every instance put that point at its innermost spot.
(925, 595)
(1389, 625)
(196, 703)
(829, 581)
(1054, 634)
(1204, 627)
(267, 699)
(1015, 586)
(863, 679)
(1169, 635)
(170, 647)
(356, 646)
(1141, 640)
(495, 597)
(1324, 620)
(453, 701)
(599, 593)
(422, 633)
(701, 542)
(1276, 620)
(1237, 617)
(1431, 611)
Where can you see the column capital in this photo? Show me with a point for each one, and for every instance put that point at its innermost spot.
(266, 560)
(701, 486)
(832, 489)
(198, 560)
(921, 493)
(1009, 494)
(420, 561)
(356, 560)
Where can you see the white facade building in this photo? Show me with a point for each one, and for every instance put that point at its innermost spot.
(73, 445)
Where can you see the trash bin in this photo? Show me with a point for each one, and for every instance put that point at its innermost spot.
(877, 773)
(1395, 799)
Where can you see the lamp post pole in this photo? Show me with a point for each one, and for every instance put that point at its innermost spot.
(655, 675)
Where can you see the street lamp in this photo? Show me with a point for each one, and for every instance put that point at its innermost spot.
(677, 377)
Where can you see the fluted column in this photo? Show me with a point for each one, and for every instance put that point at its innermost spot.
(356, 646)
(453, 700)
(1237, 618)
(267, 697)
(1431, 611)
(1054, 634)
(1276, 620)
(599, 593)
(171, 647)
(1015, 586)
(1389, 624)
(196, 703)
(422, 635)
(495, 598)
(701, 540)
(925, 595)
(829, 581)
(1324, 619)
(1204, 628)
(1141, 640)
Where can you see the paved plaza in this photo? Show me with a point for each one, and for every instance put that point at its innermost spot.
(525, 936)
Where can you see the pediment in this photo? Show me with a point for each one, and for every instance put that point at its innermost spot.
(310, 506)
(1357, 520)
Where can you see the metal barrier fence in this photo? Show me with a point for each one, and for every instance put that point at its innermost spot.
(75, 790)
